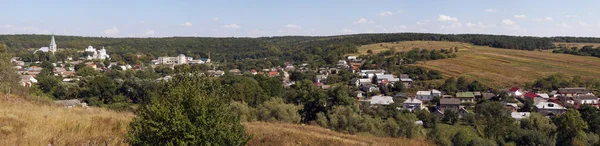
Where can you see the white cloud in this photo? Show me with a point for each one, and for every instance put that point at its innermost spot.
(215, 18)
(571, 16)
(7, 26)
(508, 22)
(294, 26)
(111, 31)
(520, 16)
(479, 25)
(445, 18)
(149, 32)
(400, 27)
(362, 21)
(490, 10)
(564, 25)
(234, 26)
(346, 30)
(584, 23)
(187, 24)
(451, 26)
(388, 13)
(543, 19)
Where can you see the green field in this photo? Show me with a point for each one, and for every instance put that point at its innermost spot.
(501, 67)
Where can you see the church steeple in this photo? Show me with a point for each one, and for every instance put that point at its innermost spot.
(52, 47)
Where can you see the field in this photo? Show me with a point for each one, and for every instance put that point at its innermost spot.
(23, 122)
(579, 45)
(409, 45)
(504, 67)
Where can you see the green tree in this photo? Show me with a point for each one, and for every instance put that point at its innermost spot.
(87, 72)
(460, 139)
(462, 84)
(494, 119)
(192, 110)
(571, 127)
(275, 110)
(450, 116)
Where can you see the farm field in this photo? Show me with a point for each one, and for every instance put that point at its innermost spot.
(579, 45)
(409, 45)
(504, 67)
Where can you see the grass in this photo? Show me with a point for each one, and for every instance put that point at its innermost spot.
(293, 134)
(579, 45)
(27, 122)
(505, 67)
(408, 45)
(23, 122)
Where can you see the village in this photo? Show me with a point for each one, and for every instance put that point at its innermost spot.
(366, 84)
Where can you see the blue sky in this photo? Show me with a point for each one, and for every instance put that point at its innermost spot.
(254, 18)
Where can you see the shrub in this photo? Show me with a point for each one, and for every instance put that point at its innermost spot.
(191, 110)
(275, 110)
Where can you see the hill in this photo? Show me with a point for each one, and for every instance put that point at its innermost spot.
(504, 67)
(23, 122)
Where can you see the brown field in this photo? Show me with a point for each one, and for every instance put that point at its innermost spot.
(579, 45)
(30, 123)
(293, 134)
(23, 122)
(409, 45)
(504, 67)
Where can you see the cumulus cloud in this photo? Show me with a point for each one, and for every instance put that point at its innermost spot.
(111, 31)
(215, 18)
(446, 18)
(571, 16)
(346, 30)
(479, 25)
(149, 32)
(388, 13)
(490, 10)
(362, 21)
(564, 25)
(233, 26)
(293, 26)
(187, 24)
(543, 19)
(520, 16)
(583, 23)
(508, 22)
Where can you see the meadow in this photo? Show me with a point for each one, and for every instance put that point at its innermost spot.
(499, 67)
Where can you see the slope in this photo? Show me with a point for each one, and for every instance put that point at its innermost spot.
(505, 67)
(24, 122)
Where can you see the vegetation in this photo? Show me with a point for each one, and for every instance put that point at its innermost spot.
(191, 110)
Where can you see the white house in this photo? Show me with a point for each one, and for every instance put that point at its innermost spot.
(413, 104)
(586, 99)
(27, 80)
(381, 100)
(98, 54)
(389, 77)
(424, 95)
(550, 108)
(435, 93)
(516, 92)
(520, 115)
(352, 57)
(371, 73)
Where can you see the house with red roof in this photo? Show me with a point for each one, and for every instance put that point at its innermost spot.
(515, 91)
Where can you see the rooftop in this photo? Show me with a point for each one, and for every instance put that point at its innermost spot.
(447, 101)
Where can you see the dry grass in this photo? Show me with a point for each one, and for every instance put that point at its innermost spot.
(409, 45)
(292, 134)
(504, 67)
(23, 122)
(579, 45)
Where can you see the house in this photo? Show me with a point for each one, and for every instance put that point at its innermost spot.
(520, 115)
(514, 91)
(413, 104)
(543, 95)
(449, 103)
(27, 80)
(359, 94)
(466, 97)
(368, 87)
(586, 99)
(462, 112)
(359, 82)
(352, 57)
(387, 77)
(511, 106)
(406, 80)
(436, 93)
(235, 72)
(381, 100)
(320, 78)
(371, 73)
(401, 95)
(550, 109)
(68, 74)
(487, 96)
(570, 92)
(70, 103)
(424, 95)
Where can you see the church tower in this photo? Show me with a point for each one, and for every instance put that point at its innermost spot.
(52, 46)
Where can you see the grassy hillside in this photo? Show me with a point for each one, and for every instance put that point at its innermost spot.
(409, 45)
(504, 67)
(292, 134)
(23, 122)
(30, 123)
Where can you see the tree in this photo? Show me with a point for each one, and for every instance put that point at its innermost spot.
(460, 139)
(192, 110)
(449, 85)
(461, 84)
(87, 71)
(571, 127)
(450, 116)
(494, 118)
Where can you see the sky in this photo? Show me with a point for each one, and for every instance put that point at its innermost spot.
(257, 18)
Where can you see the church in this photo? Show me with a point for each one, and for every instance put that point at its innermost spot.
(51, 48)
(97, 54)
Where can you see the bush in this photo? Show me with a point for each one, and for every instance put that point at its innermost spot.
(191, 110)
(247, 113)
(275, 110)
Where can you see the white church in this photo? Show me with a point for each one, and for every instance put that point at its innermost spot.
(98, 54)
(51, 48)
